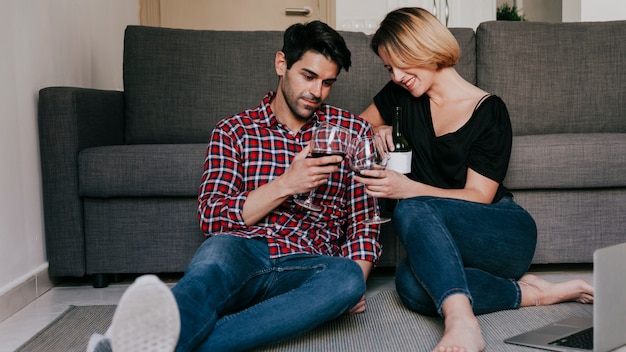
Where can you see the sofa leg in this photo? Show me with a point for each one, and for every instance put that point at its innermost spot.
(100, 280)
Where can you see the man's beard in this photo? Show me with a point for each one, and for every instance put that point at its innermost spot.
(299, 116)
(293, 106)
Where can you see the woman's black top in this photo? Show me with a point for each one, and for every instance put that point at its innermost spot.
(482, 144)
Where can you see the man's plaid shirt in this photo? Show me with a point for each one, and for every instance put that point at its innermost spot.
(252, 148)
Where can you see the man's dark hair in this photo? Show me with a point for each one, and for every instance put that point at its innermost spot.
(317, 36)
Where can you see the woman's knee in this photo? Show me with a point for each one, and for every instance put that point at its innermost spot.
(405, 214)
(407, 207)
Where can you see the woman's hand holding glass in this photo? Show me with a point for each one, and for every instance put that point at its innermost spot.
(368, 156)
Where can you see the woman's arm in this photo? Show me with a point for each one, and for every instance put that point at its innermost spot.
(393, 185)
(478, 188)
(373, 116)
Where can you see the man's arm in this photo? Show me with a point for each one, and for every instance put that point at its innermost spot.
(269, 196)
(303, 175)
(366, 267)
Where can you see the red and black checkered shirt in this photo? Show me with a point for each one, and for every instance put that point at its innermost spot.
(252, 148)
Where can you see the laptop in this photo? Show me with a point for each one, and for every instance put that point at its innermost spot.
(608, 325)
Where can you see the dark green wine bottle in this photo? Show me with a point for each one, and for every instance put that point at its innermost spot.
(401, 155)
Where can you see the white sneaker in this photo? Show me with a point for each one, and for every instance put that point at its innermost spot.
(146, 318)
(99, 343)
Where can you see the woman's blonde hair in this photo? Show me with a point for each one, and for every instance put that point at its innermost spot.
(413, 37)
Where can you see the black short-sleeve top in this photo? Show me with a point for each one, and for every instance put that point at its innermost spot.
(482, 144)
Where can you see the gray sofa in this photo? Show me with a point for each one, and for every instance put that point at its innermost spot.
(120, 169)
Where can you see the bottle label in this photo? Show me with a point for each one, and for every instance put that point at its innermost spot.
(400, 162)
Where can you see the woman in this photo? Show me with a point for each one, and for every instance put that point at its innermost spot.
(468, 243)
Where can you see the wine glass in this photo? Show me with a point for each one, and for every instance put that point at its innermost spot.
(369, 153)
(327, 139)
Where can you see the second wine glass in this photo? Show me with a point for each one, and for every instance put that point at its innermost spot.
(369, 153)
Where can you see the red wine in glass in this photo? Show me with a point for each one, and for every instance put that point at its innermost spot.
(318, 154)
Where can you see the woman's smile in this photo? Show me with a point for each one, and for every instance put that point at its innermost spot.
(409, 83)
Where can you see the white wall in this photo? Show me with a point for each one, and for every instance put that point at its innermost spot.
(45, 43)
(573, 10)
(602, 10)
(542, 10)
(366, 15)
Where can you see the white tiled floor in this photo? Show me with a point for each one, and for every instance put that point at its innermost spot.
(17, 329)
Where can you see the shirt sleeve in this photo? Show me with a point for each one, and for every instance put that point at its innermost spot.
(220, 199)
(361, 239)
(491, 152)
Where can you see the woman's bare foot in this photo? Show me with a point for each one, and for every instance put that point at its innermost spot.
(538, 291)
(462, 332)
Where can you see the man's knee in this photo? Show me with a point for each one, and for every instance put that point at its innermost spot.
(349, 278)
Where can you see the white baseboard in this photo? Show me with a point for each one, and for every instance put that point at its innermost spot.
(21, 292)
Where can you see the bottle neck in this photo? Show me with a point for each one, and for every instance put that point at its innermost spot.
(396, 122)
(399, 141)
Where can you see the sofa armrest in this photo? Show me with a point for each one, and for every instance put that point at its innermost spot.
(71, 119)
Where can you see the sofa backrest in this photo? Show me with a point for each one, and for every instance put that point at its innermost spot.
(556, 78)
(178, 83)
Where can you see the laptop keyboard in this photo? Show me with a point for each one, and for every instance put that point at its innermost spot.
(582, 339)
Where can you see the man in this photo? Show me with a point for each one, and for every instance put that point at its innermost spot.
(269, 269)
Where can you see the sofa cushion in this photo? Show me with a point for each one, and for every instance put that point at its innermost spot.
(567, 161)
(172, 170)
(177, 84)
(572, 224)
(556, 77)
(141, 235)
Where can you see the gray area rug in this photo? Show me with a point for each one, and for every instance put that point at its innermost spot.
(71, 330)
(385, 326)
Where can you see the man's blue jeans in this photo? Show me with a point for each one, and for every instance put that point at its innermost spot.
(234, 297)
(460, 247)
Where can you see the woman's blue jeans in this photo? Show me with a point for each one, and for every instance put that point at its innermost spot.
(460, 247)
(233, 297)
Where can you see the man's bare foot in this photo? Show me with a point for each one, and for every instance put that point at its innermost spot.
(538, 291)
(462, 332)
